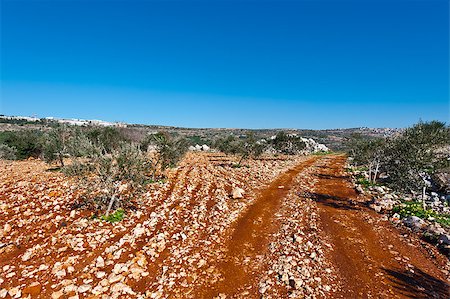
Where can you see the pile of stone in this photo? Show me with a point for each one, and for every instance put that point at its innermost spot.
(199, 148)
(313, 146)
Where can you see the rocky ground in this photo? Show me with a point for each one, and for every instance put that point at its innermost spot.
(384, 200)
(210, 230)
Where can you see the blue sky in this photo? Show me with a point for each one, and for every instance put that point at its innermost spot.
(252, 64)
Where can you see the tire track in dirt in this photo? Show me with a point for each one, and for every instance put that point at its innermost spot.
(250, 236)
(371, 258)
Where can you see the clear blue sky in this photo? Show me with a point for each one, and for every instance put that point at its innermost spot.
(251, 64)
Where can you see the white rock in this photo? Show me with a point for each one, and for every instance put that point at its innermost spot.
(237, 193)
(60, 273)
(84, 288)
(100, 262)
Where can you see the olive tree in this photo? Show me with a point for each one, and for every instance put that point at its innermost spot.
(288, 144)
(369, 152)
(55, 144)
(167, 150)
(246, 147)
(412, 156)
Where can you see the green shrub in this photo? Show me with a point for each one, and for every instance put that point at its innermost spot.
(8, 152)
(55, 144)
(117, 216)
(415, 208)
(365, 182)
(27, 143)
(287, 143)
(107, 138)
(322, 153)
(246, 147)
(169, 150)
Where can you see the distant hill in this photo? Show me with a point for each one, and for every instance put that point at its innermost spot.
(332, 138)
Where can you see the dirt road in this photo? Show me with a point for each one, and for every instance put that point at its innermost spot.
(300, 231)
(369, 257)
(372, 258)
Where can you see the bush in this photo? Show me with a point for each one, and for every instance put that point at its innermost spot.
(415, 208)
(55, 144)
(115, 179)
(412, 156)
(7, 152)
(168, 150)
(246, 147)
(287, 144)
(368, 152)
(26, 143)
(108, 138)
(117, 216)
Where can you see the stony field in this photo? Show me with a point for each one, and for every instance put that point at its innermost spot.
(280, 227)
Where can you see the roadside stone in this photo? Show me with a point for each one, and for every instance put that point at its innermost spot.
(237, 193)
(414, 222)
(444, 239)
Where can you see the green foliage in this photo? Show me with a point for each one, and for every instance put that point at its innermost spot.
(55, 144)
(287, 144)
(365, 182)
(169, 150)
(7, 152)
(194, 140)
(117, 216)
(246, 147)
(364, 150)
(412, 155)
(406, 158)
(322, 153)
(27, 143)
(108, 138)
(111, 179)
(77, 169)
(132, 163)
(414, 208)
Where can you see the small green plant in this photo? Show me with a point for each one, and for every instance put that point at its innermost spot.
(415, 208)
(322, 153)
(365, 182)
(117, 216)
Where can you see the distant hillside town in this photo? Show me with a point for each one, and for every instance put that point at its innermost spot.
(69, 121)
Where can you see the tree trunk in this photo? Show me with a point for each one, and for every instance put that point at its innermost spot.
(111, 202)
(423, 197)
(61, 159)
(376, 173)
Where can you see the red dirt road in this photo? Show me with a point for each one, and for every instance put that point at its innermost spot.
(372, 258)
(250, 237)
(300, 231)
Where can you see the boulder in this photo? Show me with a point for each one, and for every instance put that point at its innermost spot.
(444, 239)
(414, 222)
